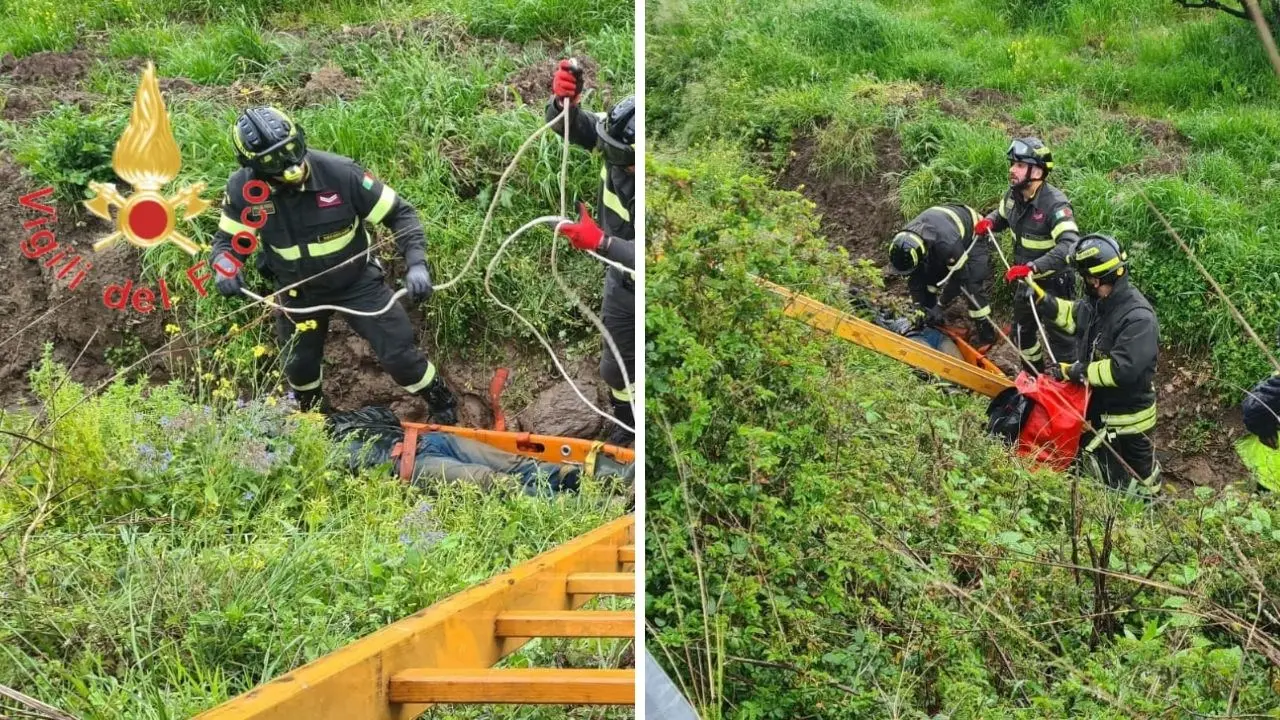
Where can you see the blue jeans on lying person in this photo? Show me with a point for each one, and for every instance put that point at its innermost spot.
(455, 459)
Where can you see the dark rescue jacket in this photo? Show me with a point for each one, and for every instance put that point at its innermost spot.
(319, 225)
(615, 210)
(1044, 228)
(1117, 337)
(947, 233)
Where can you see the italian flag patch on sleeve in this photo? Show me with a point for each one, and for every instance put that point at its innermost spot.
(1063, 213)
(367, 182)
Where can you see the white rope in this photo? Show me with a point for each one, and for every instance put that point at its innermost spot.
(555, 221)
(319, 308)
(1044, 334)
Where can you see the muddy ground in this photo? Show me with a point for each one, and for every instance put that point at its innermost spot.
(1196, 434)
(89, 337)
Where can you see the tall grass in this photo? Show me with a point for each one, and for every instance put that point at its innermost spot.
(170, 555)
(828, 535)
(1130, 96)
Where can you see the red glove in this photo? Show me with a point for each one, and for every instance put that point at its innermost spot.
(1018, 272)
(982, 227)
(584, 234)
(567, 81)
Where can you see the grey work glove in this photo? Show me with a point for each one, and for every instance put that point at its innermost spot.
(228, 286)
(418, 282)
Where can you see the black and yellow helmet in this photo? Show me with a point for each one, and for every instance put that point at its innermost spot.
(906, 252)
(1101, 257)
(1031, 151)
(617, 133)
(270, 143)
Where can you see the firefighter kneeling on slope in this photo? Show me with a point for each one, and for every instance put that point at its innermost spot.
(1115, 334)
(614, 134)
(938, 252)
(316, 219)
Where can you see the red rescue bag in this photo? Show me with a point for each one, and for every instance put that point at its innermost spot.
(1051, 432)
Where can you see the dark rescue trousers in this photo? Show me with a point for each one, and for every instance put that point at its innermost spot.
(1126, 434)
(1062, 285)
(389, 334)
(618, 313)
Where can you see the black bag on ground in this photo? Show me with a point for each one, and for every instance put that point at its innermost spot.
(1260, 407)
(371, 432)
(1006, 415)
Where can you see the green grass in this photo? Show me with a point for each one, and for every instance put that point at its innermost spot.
(830, 537)
(174, 567)
(442, 144)
(171, 555)
(1104, 82)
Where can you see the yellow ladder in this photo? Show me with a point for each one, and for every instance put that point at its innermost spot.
(446, 653)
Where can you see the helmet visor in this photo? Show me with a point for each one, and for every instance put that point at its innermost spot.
(285, 154)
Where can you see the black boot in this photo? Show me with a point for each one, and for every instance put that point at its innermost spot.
(984, 334)
(441, 403)
(617, 435)
(313, 401)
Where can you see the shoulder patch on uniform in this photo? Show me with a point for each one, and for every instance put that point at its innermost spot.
(367, 181)
(1062, 213)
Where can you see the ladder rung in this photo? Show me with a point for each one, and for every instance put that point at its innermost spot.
(525, 686)
(601, 584)
(567, 623)
(626, 553)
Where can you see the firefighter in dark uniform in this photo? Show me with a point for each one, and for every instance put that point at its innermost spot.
(1115, 333)
(612, 234)
(938, 253)
(316, 219)
(1044, 234)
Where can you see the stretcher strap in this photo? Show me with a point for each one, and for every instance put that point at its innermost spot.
(408, 452)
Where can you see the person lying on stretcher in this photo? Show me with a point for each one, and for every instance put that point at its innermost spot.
(372, 434)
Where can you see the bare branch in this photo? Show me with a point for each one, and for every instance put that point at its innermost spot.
(1215, 5)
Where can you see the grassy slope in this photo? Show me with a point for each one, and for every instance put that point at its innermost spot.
(830, 537)
(445, 139)
(814, 510)
(1131, 96)
(157, 585)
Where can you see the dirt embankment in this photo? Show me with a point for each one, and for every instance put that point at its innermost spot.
(38, 308)
(1196, 434)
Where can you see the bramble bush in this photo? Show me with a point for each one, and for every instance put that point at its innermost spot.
(828, 536)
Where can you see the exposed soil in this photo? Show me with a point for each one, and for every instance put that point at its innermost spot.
(531, 85)
(46, 68)
(28, 102)
(81, 321)
(1195, 438)
(325, 85)
(858, 214)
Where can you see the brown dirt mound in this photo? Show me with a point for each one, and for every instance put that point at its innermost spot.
(83, 322)
(28, 102)
(531, 85)
(859, 214)
(325, 84)
(1195, 438)
(47, 68)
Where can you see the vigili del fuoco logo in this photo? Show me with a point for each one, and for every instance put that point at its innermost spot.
(146, 156)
